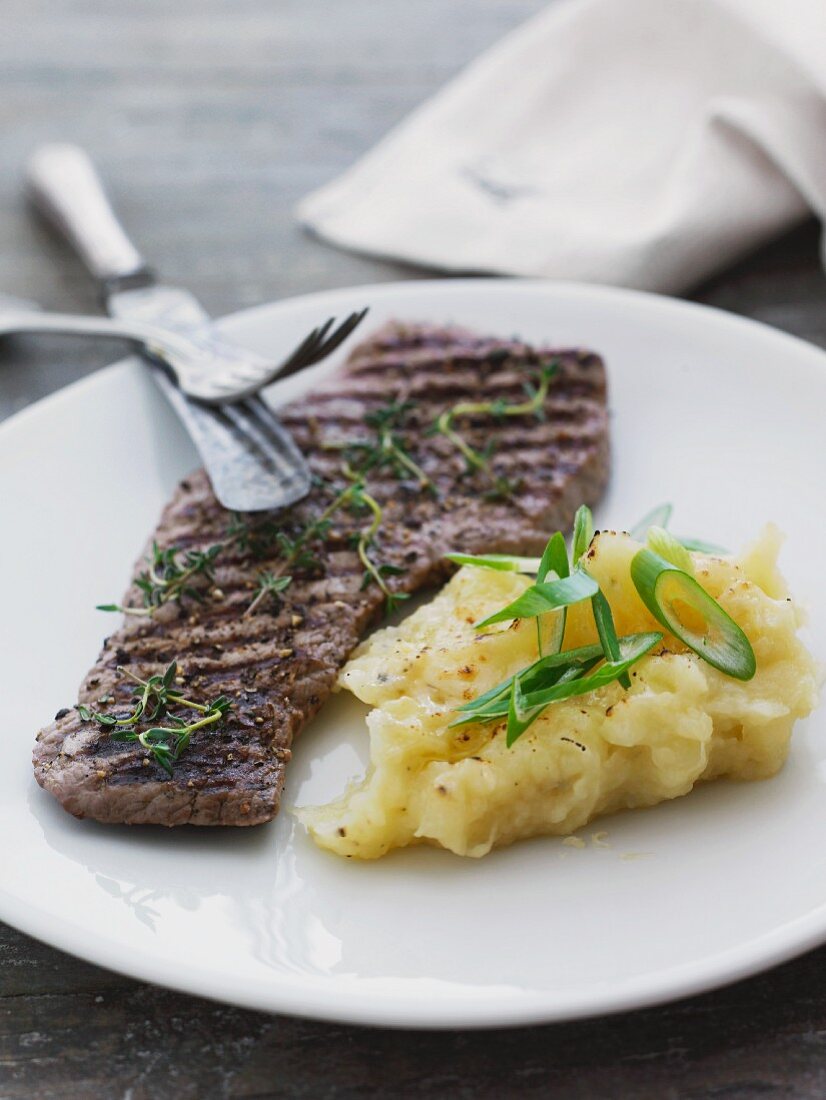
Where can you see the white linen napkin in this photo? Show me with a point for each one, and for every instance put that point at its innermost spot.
(640, 142)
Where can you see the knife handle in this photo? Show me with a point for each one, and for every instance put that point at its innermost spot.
(63, 185)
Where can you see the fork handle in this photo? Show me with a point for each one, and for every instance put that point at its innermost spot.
(62, 183)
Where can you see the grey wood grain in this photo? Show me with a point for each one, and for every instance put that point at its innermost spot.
(210, 118)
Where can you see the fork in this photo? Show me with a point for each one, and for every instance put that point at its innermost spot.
(205, 365)
(252, 461)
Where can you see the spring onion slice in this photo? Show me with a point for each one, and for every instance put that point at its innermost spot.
(505, 563)
(497, 709)
(541, 598)
(607, 632)
(520, 717)
(542, 673)
(554, 558)
(634, 648)
(583, 532)
(531, 704)
(657, 517)
(701, 547)
(686, 610)
(665, 544)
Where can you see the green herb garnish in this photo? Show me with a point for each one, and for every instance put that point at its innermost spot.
(552, 679)
(657, 517)
(583, 532)
(684, 608)
(668, 546)
(503, 563)
(480, 461)
(663, 577)
(660, 517)
(169, 576)
(554, 560)
(153, 699)
(269, 584)
(543, 597)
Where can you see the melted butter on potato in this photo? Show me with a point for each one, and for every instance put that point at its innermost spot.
(680, 722)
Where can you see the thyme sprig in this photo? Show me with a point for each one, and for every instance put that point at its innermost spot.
(374, 573)
(169, 575)
(152, 701)
(387, 449)
(480, 460)
(269, 584)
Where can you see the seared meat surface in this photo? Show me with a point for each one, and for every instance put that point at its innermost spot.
(279, 663)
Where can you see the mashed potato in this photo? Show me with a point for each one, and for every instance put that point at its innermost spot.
(680, 722)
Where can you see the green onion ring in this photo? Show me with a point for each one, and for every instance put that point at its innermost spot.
(721, 642)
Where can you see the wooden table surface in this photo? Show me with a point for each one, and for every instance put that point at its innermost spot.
(210, 118)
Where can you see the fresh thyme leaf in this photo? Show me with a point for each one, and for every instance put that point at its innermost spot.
(269, 584)
(388, 570)
(168, 577)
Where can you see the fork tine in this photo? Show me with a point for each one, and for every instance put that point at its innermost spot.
(340, 334)
(244, 381)
(338, 337)
(305, 350)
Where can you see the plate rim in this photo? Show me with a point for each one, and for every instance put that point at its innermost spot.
(313, 997)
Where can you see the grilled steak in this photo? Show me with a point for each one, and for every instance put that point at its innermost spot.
(279, 663)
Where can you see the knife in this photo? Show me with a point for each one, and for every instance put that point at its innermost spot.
(251, 460)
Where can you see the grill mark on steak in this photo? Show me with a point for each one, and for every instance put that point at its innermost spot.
(280, 664)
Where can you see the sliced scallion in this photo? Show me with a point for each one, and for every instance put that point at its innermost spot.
(505, 563)
(531, 704)
(665, 544)
(554, 559)
(607, 632)
(632, 648)
(539, 599)
(542, 673)
(684, 608)
(657, 517)
(520, 717)
(701, 547)
(583, 532)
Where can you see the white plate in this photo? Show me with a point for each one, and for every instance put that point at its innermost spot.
(720, 415)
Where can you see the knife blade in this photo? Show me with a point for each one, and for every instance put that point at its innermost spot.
(245, 472)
